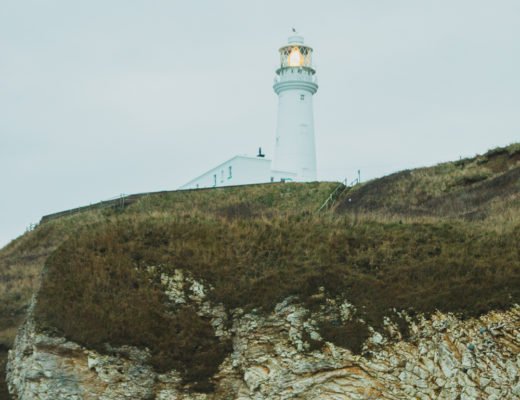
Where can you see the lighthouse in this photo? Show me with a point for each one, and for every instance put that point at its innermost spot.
(295, 153)
(295, 85)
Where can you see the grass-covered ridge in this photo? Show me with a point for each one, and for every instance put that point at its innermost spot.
(254, 264)
(477, 188)
(445, 237)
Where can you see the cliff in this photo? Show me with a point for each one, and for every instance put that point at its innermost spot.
(273, 358)
(401, 287)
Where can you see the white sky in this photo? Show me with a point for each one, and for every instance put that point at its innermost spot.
(99, 98)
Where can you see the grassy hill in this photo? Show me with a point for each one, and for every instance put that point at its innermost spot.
(478, 188)
(445, 237)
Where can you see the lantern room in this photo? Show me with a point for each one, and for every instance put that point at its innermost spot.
(296, 54)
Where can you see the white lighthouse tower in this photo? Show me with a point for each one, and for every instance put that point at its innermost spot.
(295, 84)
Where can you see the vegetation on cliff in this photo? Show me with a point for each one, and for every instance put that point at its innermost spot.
(478, 188)
(444, 238)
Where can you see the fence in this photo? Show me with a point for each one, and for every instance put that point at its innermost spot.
(123, 201)
(339, 190)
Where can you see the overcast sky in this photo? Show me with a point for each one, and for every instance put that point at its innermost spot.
(99, 98)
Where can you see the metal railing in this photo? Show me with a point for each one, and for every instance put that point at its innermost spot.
(124, 200)
(336, 193)
(120, 201)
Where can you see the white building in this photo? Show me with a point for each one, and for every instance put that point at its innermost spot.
(239, 170)
(295, 152)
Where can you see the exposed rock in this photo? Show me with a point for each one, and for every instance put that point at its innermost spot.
(446, 359)
(174, 286)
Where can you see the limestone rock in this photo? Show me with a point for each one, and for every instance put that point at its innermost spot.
(446, 359)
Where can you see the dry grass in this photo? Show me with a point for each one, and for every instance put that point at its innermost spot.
(21, 262)
(470, 189)
(444, 238)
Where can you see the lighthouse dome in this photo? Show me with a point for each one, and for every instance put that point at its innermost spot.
(295, 38)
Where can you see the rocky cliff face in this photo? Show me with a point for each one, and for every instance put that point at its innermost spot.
(272, 358)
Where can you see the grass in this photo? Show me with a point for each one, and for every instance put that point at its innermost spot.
(21, 262)
(442, 238)
(466, 188)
